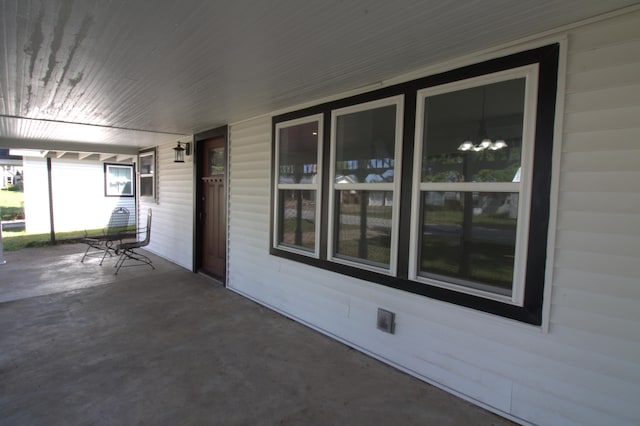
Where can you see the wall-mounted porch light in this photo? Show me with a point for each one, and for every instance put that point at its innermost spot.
(180, 151)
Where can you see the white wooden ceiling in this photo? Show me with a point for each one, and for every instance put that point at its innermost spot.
(134, 73)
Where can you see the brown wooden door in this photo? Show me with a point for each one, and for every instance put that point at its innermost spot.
(214, 235)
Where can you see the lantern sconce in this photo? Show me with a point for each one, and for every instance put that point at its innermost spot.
(180, 151)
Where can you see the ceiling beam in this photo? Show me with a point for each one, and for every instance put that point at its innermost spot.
(29, 152)
(125, 157)
(83, 155)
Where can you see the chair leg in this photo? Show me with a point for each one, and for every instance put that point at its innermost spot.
(120, 261)
(129, 254)
(108, 248)
(85, 253)
(92, 245)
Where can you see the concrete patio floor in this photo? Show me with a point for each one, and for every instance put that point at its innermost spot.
(79, 345)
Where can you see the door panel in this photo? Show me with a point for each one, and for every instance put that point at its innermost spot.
(213, 208)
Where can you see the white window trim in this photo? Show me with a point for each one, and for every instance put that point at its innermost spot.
(530, 73)
(319, 118)
(398, 101)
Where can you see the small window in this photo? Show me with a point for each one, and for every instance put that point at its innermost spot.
(118, 180)
(297, 194)
(365, 180)
(147, 161)
(216, 161)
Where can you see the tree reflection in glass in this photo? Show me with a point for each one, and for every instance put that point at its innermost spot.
(365, 154)
(298, 166)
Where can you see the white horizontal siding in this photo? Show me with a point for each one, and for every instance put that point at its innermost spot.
(607, 202)
(616, 139)
(586, 369)
(36, 195)
(172, 223)
(596, 292)
(609, 98)
(79, 201)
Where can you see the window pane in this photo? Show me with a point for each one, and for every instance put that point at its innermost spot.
(474, 135)
(470, 237)
(365, 146)
(146, 186)
(297, 218)
(119, 180)
(216, 160)
(364, 226)
(146, 164)
(298, 153)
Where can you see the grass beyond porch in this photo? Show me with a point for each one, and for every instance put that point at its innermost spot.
(13, 241)
(12, 208)
(11, 205)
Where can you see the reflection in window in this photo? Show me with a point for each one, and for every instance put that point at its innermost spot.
(298, 145)
(470, 237)
(474, 134)
(364, 226)
(365, 159)
(297, 218)
(216, 161)
(470, 186)
(147, 160)
(365, 145)
(298, 153)
(146, 164)
(118, 180)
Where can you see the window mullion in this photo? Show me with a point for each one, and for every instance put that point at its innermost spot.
(406, 187)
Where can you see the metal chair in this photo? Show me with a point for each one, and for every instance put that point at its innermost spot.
(126, 250)
(116, 230)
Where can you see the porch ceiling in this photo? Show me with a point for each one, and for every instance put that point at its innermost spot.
(135, 73)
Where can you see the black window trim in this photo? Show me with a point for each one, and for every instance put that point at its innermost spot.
(547, 57)
(106, 179)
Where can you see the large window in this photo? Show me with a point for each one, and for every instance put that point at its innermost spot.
(472, 172)
(298, 174)
(439, 186)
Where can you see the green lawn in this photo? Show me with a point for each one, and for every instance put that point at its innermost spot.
(13, 241)
(11, 205)
(487, 262)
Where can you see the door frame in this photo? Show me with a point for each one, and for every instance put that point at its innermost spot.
(198, 151)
